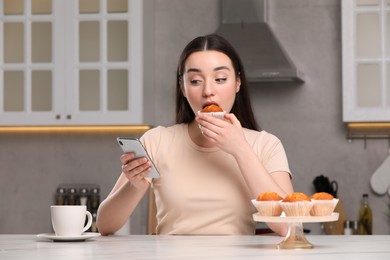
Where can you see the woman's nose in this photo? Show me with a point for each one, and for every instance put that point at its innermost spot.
(208, 89)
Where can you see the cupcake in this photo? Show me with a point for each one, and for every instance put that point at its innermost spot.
(267, 204)
(323, 204)
(269, 196)
(296, 204)
(214, 110)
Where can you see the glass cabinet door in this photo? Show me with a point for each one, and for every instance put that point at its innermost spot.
(27, 68)
(366, 63)
(70, 62)
(105, 83)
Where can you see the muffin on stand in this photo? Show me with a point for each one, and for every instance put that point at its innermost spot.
(323, 204)
(268, 204)
(296, 204)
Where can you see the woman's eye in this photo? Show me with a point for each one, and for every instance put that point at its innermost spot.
(195, 82)
(220, 80)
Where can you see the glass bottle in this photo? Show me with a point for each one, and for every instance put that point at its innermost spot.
(94, 226)
(355, 227)
(365, 217)
(72, 196)
(84, 197)
(60, 196)
(95, 199)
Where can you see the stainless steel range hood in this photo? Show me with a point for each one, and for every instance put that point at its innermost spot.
(244, 24)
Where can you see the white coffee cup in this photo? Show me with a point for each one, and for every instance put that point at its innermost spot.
(69, 220)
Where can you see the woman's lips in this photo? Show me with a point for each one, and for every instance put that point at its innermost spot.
(212, 108)
(209, 104)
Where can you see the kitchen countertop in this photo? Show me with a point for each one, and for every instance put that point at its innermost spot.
(193, 247)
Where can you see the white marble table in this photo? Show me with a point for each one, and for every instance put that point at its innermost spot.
(193, 247)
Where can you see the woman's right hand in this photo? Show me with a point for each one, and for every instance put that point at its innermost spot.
(135, 169)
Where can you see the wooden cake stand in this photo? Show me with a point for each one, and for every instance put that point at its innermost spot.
(295, 237)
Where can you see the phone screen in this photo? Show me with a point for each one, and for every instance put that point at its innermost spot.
(129, 144)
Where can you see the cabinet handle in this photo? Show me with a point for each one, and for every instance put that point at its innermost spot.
(58, 117)
(69, 117)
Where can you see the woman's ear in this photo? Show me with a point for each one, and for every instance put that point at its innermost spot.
(238, 84)
(182, 90)
(180, 82)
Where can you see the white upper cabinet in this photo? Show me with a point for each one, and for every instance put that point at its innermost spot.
(366, 60)
(71, 62)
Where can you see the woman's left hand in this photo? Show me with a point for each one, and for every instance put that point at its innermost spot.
(227, 134)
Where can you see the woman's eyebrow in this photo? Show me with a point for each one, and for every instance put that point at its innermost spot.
(193, 70)
(221, 68)
(215, 69)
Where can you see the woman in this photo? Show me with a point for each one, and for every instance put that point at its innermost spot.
(210, 167)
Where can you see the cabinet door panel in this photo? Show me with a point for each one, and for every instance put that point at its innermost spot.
(89, 41)
(117, 6)
(41, 41)
(13, 98)
(89, 6)
(41, 7)
(388, 85)
(117, 90)
(367, 2)
(41, 91)
(117, 44)
(13, 7)
(368, 38)
(89, 90)
(368, 85)
(13, 42)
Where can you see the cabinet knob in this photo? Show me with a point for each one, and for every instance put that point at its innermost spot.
(58, 117)
(69, 117)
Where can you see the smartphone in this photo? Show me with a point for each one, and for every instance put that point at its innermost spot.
(134, 145)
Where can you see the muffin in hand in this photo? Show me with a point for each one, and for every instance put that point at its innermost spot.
(213, 110)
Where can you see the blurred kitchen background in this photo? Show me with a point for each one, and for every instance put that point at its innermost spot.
(307, 116)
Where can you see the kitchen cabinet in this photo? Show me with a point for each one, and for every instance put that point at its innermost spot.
(75, 62)
(366, 60)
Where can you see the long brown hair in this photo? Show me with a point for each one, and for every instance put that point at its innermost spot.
(242, 108)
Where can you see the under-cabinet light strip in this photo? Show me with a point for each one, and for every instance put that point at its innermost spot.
(368, 125)
(74, 129)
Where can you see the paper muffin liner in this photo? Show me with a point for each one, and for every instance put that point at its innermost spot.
(219, 115)
(323, 207)
(299, 208)
(268, 208)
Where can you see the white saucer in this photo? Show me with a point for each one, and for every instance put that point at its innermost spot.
(82, 237)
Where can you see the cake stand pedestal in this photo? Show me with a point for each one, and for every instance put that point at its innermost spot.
(295, 238)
